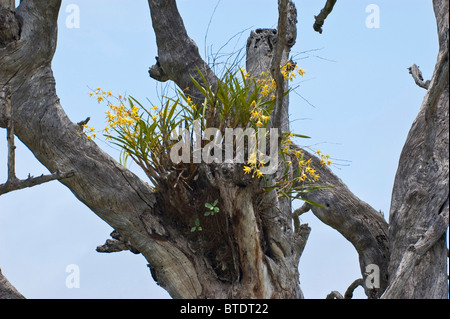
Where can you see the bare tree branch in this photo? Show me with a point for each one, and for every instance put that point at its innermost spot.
(118, 243)
(276, 61)
(178, 56)
(349, 293)
(32, 181)
(417, 76)
(356, 220)
(320, 19)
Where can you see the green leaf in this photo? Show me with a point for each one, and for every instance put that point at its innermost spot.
(208, 205)
(216, 209)
(208, 213)
(197, 222)
(215, 202)
(269, 188)
(284, 193)
(132, 98)
(199, 228)
(311, 202)
(301, 136)
(193, 229)
(199, 87)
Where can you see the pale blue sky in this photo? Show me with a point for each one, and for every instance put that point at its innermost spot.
(364, 102)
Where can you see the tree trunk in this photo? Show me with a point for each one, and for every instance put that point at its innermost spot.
(420, 193)
(250, 249)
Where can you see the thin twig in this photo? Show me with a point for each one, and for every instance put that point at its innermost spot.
(32, 181)
(209, 25)
(10, 140)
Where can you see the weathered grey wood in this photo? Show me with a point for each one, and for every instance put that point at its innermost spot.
(413, 256)
(421, 188)
(418, 78)
(8, 291)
